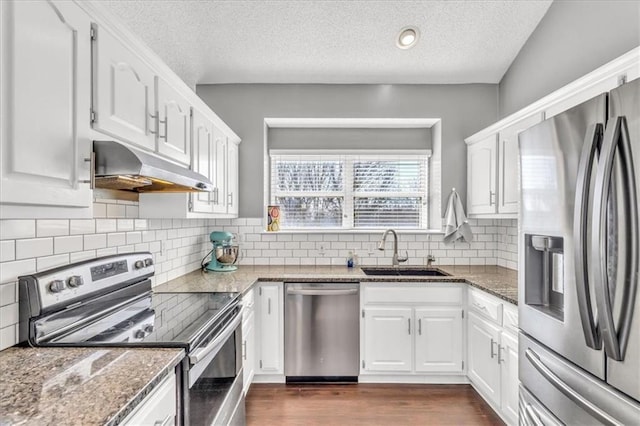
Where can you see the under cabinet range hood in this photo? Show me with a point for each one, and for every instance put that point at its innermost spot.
(118, 166)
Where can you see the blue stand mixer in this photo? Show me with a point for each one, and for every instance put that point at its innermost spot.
(224, 253)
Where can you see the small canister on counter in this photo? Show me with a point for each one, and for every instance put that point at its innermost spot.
(273, 218)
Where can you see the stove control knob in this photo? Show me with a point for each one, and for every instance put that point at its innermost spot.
(139, 264)
(148, 262)
(148, 328)
(56, 286)
(75, 281)
(140, 334)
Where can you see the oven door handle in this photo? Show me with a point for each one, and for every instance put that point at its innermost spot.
(199, 354)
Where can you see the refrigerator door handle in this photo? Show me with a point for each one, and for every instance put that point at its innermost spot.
(567, 390)
(616, 136)
(580, 223)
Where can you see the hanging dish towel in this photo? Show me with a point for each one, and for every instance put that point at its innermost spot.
(456, 226)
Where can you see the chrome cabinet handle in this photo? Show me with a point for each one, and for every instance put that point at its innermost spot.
(492, 200)
(269, 306)
(616, 136)
(244, 350)
(92, 170)
(481, 307)
(409, 328)
(500, 359)
(230, 198)
(590, 147)
(164, 422)
(420, 326)
(166, 125)
(154, 117)
(493, 342)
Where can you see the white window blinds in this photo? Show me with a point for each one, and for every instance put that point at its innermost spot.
(354, 190)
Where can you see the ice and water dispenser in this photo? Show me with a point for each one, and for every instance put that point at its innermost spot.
(544, 274)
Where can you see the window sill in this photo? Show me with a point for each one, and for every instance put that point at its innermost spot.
(353, 231)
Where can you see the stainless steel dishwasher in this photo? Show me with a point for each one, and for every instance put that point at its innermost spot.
(322, 332)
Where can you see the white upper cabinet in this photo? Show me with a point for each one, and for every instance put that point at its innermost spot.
(232, 178)
(508, 164)
(203, 160)
(220, 171)
(123, 92)
(174, 123)
(45, 83)
(481, 176)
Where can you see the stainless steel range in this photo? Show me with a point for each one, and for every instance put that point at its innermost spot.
(109, 302)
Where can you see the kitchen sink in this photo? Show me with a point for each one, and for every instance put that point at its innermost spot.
(422, 272)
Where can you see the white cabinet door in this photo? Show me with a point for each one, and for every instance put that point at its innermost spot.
(174, 125)
(159, 408)
(46, 99)
(509, 372)
(123, 92)
(220, 171)
(482, 356)
(203, 160)
(481, 176)
(271, 329)
(248, 352)
(388, 339)
(439, 340)
(508, 169)
(232, 179)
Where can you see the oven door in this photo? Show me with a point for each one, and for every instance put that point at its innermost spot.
(214, 376)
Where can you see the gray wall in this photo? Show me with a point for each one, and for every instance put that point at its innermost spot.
(573, 39)
(464, 110)
(324, 138)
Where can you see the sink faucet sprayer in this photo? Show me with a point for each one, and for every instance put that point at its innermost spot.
(395, 260)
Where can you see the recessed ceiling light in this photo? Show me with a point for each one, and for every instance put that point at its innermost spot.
(408, 37)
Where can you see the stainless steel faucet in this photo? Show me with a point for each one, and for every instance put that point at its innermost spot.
(395, 260)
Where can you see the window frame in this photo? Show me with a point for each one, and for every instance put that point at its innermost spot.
(348, 193)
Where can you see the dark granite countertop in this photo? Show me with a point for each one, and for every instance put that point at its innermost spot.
(78, 386)
(496, 280)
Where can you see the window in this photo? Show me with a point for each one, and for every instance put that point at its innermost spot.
(350, 190)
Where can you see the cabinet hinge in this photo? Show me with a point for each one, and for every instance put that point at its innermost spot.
(260, 364)
(463, 365)
(463, 314)
(363, 363)
(363, 313)
(260, 294)
(93, 33)
(93, 116)
(190, 205)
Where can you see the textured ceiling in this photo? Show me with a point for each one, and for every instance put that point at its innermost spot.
(339, 41)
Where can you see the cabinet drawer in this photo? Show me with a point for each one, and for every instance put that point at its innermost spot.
(247, 304)
(157, 408)
(510, 317)
(450, 294)
(485, 305)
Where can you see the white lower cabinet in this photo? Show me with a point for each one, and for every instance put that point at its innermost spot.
(388, 340)
(439, 340)
(158, 408)
(405, 330)
(270, 329)
(492, 353)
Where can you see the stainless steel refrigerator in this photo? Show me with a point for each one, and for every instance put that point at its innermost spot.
(579, 304)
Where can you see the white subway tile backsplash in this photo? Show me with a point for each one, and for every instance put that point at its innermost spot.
(11, 229)
(99, 210)
(95, 241)
(8, 315)
(82, 226)
(8, 293)
(8, 336)
(44, 263)
(51, 228)
(34, 247)
(106, 251)
(116, 211)
(68, 244)
(134, 237)
(106, 225)
(9, 271)
(82, 255)
(7, 250)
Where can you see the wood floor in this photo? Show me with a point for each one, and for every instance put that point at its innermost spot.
(367, 404)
